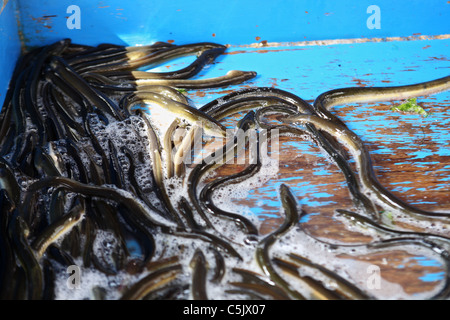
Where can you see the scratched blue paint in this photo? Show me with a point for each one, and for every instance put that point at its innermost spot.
(401, 182)
(433, 277)
(420, 153)
(9, 46)
(307, 75)
(322, 195)
(314, 203)
(427, 202)
(308, 71)
(228, 21)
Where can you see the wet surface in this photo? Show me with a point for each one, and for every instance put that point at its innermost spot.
(410, 153)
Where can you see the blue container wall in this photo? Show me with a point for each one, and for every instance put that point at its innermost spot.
(9, 45)
(234, 22)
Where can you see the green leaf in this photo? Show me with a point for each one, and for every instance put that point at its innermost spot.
(411, 106)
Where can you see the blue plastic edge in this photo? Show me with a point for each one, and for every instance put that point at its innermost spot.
(10, 46)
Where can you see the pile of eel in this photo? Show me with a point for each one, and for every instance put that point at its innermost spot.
(90, 178)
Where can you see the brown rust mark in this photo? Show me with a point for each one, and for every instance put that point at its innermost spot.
(397, 266)
(361, 82)
(170, 41)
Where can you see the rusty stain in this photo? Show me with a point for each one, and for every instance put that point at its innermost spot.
(258, 38)
(274, 82)
(324, 225)
(3, 6)
(213, 34)
(264, 43)
(306, 12)
(426, 47)
(44, 21)
(170, 41)
(361, 82)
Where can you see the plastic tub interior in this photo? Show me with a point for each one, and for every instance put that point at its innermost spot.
(244, 24)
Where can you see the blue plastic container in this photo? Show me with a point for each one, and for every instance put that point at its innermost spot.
(25, 24)
(302, 46)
